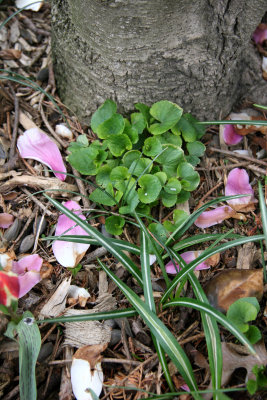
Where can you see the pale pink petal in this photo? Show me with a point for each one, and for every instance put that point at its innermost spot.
(260, 35)
(188, 256)
(28, 270)
(213, 217)
(230, 136)
(38, 146)
(185, 387)
(6, 220)
(32, 262)
(69, 254)
(28, 281)
(238, 183)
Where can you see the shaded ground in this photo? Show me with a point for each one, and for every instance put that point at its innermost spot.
(25, 42)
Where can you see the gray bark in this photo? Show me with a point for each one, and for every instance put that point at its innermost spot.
(197, 53)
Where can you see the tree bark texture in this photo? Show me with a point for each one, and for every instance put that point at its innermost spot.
(197, 53)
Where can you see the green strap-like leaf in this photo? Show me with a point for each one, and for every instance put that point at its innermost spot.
(29, 339)
(206, 254)
(197, 305)
(102, 240)
(165, 337)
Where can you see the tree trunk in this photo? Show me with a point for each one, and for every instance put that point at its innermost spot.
(196, 53)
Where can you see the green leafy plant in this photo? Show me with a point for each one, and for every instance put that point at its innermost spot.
(163, 339)
(261, 379)
(140, 161)
(243, 311)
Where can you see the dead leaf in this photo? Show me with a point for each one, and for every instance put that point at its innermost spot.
(246, 256)
(57, 302)
(235, 356)
(10, 54)
(230, 285)
(214, 260)
(245, 130)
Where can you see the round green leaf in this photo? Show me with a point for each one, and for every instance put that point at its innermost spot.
(169, 138)
(162, 177)
(152, 147)
(131, 156)
(114, 225)
(105, 197)
(188, 130)
(118, 143)
(84, 160)
(150, 188)
(167, 113)
(119, 174)
(144, 109)
(168, 199)
(173, 186)
(241, 312)
(138, 121)
(253, 334)
(113, 126)
(193, 160)
(140, 166)
(102, 176)
(182, 196)
(131, 131)
(170, 158)
(102, 114)
(189, 177)
(196, 148)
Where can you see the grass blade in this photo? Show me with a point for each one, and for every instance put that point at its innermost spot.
(165, 337)
(233, 122)
(197, 305)
(93, 316)
(206, 237)
(149, 299)
(211, 330)
(102, 240)
(206, 254)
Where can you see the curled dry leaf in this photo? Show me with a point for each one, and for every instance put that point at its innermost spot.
(86, 371)
(230, 285)
(249, 128)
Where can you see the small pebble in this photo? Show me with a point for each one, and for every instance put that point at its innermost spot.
(27, 243)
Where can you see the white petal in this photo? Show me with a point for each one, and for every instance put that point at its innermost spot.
(63, 131)
(33, 7)
(75, 292)
(152, 259)
(82, 379)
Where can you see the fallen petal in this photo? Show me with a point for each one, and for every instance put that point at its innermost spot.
(260, 34)
(213, 217)
(6, 220)
(33, 7)
(230, 136)
(238, 183)
(36, 145)
(69, 254)
(28, 271)
(9, 288)
(188, 256)
(63, 131)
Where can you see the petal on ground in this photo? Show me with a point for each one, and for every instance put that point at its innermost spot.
(213, 217)
(230, 136)
(36, 145)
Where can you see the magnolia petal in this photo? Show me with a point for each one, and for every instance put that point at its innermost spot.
(213, 217)
(32, 262)
(38, 146)
(9, 288)
(28, 3)
(238, 183)
(6, 220)
(28, 270)
(27, 281)
(230, 136)
(63, 131)
(83, 378)
(188, 256)
(69, 254)
(152, 259)
(260, 34)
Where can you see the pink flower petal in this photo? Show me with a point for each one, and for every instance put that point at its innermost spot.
(6, 220)
(260, 34)
(69, 254)
(38, 146)
(185, 387)
(238, 183)
(230, 136)
(188, 256)
(28, 270)
(213, 217)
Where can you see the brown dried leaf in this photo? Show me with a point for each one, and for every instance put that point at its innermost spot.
(230, 285)
(92, 353)
(245, 130)
(10, 54)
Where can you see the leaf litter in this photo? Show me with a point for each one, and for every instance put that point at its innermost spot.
(130, 360)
